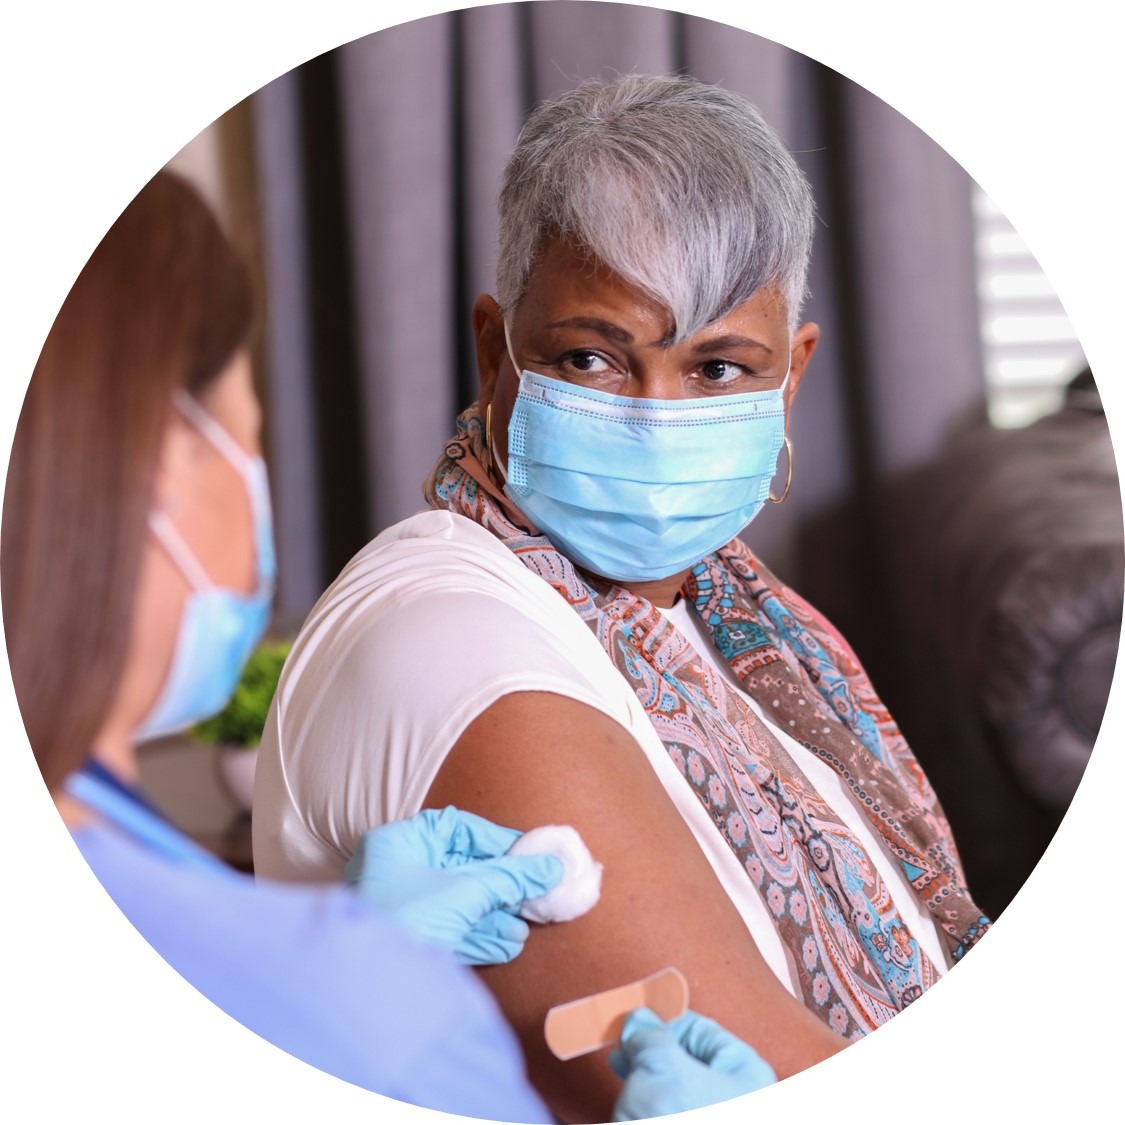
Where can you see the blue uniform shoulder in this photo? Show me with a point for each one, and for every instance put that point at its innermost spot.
(322, 975)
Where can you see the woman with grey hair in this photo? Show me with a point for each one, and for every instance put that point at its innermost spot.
(574, 634)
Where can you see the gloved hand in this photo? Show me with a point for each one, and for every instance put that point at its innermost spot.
(686, 1064)
(444, 877)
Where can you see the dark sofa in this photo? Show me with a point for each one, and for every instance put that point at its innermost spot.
(1016, 562)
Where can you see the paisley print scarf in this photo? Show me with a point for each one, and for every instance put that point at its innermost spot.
(857, 962)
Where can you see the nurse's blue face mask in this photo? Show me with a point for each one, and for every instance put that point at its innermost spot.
(638, 489)
(219, 628)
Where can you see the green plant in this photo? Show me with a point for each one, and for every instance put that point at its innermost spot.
(241, 722)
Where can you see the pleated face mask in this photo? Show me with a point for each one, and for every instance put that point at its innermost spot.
(219, 628)
(637, 489)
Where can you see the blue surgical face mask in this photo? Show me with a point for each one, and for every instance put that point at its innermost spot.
(219, 628)
(637, 489)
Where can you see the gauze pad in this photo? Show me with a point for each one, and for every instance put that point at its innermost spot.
(581, 1026)
(581, 883)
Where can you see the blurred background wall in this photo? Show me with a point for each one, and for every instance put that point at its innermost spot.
(362, 186)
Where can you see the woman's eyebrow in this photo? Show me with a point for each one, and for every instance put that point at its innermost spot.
(615, 332)
(722, 343)
(604, 328)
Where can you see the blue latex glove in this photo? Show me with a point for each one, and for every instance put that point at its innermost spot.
(444, 877)
(686, 1064)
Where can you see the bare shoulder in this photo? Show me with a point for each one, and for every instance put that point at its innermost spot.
(534, 758)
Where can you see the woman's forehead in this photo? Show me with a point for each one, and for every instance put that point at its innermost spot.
(568, 285)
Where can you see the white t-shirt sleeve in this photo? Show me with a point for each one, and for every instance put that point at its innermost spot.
(421, 633)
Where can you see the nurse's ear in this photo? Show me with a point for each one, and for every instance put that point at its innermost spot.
(488, 330)
(181, 449)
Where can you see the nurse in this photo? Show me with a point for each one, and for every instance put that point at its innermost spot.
(137, 577)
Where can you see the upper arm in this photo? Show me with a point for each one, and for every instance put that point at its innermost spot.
(376, 691)
(535, 758)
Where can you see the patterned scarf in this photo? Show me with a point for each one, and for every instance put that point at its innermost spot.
(856, 961)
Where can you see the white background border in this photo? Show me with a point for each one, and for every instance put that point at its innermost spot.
(97, 96)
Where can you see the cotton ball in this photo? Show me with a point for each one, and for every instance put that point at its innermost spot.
(581, 883)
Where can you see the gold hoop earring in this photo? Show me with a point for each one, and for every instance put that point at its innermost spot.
(488, 432)
(788, 474)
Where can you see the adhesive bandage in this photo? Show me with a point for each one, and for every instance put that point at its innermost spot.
(581, 1026)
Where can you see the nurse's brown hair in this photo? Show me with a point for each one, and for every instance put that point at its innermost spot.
(164, 302)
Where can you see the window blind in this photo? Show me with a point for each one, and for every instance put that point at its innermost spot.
(1030, 348)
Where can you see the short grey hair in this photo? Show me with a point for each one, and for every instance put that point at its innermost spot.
(679, 187)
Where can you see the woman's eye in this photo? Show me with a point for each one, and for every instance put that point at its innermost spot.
(588, 363)
(720, 371)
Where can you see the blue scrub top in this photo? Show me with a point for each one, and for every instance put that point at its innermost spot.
(317, 972)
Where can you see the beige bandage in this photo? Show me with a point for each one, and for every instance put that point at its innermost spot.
(581, 1026)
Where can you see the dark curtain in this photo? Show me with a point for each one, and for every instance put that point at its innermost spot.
(378, 167)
